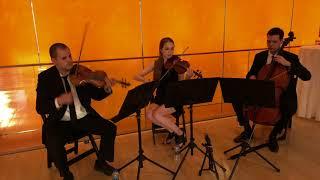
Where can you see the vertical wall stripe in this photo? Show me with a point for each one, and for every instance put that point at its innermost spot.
(141, 33)
(224, 35)
(223, 47)
(35, 30)
(292, 13)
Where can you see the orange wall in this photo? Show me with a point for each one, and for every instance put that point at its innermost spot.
(197, 24)
(115, 30)
(247, 21)
(306, 21)
(17, 34)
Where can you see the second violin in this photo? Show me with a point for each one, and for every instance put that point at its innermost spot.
(180, 66)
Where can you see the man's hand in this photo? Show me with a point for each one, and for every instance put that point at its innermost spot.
(65, 99)
(189, 73)
(282, 60)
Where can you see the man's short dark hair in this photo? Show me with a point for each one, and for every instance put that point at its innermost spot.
(54, 47)
(276, 31)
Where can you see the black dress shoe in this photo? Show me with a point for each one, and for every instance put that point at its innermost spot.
(244, 136)
(169, 138)
(103, 167)
(67, 175)
(181, 140)
(273, 145)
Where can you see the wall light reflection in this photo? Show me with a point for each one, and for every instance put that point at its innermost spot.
(6, 113)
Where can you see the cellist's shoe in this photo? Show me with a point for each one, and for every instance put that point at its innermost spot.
(244, 136)
(273, 144)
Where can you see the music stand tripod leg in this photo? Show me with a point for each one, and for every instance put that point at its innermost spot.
(243, 148)
(141, 157)
(202, 92)
(191, 143)
(180, 165)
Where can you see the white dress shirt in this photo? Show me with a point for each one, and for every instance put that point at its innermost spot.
(80, 110)
(269, 59)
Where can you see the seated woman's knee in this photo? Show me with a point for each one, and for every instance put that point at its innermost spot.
(157, 114)
(149, 115)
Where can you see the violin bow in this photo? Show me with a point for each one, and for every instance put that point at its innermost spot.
(81, 46)
(185, 49)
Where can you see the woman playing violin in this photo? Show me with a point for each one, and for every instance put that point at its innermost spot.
(157, 112)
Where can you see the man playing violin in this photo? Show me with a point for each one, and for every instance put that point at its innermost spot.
(68, 111)
(156, 111)
(288, 100)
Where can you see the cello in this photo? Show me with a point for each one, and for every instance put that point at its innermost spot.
(279, 74)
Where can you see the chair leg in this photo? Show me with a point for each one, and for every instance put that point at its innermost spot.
(94, 145)
(76, 146)
(290, 123)
(153, 136)
(49, 161)
(177, 121)
(184, 123)
(94, 149)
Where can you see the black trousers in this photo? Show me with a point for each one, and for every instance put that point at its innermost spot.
(277, 129)
(58, 134)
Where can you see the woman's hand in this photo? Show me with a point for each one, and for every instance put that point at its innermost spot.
(189, 73)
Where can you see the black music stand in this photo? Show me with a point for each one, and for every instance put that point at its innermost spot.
(135, 100)
(257, 93)
(190, 92)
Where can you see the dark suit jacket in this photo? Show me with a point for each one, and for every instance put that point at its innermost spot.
(289, 98)
(50, 86)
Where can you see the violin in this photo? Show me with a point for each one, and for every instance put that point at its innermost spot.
(97, 78)
(180, 66)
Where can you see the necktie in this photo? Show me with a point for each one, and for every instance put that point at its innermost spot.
(72, 109)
